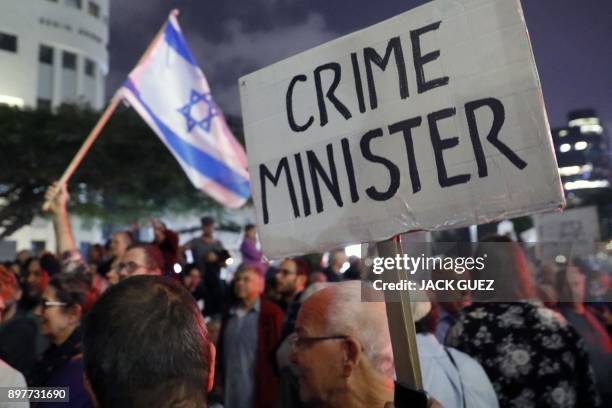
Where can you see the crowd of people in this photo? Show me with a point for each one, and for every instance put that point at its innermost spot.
(121, 328)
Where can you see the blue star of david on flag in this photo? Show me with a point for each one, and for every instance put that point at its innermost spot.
(211, 111)
(171, 93)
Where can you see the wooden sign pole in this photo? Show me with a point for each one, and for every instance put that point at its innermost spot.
(401, 322)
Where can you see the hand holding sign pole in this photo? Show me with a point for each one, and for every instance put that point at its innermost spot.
(431, 120)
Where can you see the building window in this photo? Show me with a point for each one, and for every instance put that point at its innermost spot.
(74, 3)
(45, 55)
(69, 60)
(39, 247)
(43, 104)
(90, 67)
(94, 9)
(8, 42)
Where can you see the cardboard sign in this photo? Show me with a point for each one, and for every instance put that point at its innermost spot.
(433, 119)
(572, 233)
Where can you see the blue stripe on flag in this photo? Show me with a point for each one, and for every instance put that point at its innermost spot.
(204, 163)
(176, 40)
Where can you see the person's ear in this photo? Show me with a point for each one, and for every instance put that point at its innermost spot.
(89, 390)
(75, 313)
(212, 353)
(301, 280)
(352, 355)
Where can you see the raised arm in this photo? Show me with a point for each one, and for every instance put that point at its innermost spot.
(58, 197)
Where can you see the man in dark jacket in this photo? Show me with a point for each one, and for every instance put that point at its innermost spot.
(251, 330)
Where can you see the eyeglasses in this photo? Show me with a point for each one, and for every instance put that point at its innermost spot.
(298, 342)
(46, 303)
(130, 266)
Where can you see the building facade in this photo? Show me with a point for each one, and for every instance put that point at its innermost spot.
(583, 153)
(53, 52)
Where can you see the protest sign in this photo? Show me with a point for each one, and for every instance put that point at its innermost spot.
(433, 119)
(8, 250)
(572, 233)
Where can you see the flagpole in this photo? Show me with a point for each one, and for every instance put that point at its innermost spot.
(110, 109)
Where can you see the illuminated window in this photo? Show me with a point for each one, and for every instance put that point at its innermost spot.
(8, 42)
(565, 147)
(94, 9)
(563, 133)
(584, 184)
(591, 129)
(45, 55)
(69, 60)
(583, 122)
(575, 170)
(581, 145)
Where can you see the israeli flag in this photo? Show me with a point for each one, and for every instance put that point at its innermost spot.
(171, 93)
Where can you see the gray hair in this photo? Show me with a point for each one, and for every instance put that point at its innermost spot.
(350, 314)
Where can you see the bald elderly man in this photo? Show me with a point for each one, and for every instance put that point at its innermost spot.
(342, 349)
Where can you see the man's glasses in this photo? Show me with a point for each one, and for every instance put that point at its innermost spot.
(46, 303)
(130, 267)
(297, 342)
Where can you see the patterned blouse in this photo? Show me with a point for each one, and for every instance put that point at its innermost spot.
(533, 357)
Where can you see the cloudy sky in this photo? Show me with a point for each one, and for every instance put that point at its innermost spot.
(572, 41)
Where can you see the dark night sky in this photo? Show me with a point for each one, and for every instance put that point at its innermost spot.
(572, 41)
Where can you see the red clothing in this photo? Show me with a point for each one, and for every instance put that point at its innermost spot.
(169, 248)
(269, 334)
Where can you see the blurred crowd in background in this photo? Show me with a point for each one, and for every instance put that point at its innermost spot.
(548, 348)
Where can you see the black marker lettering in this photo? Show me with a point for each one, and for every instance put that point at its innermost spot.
(439, 145)
(350, 170)
(283, 165)
(499, 116)
(302, 179)
(331, 180)
(394, 173)
(420, 60)
(358, 84)
(406, 127)
(371, 56)
(335, 67)
(289, 103)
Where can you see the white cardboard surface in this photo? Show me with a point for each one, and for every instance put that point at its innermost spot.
(574, 232)
(485, 52)
(576, 224)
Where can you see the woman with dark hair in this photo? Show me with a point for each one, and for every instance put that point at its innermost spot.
(34, 281)
(533, 357)
(192, 280)
(60, 312)
(168, 243)
(571, 285)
